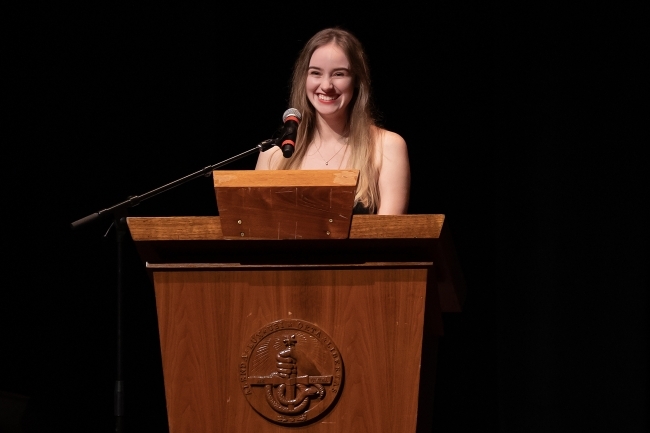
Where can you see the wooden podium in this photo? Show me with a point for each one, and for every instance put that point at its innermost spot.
(287, 313)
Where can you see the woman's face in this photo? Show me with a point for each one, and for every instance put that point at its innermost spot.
(330, 87)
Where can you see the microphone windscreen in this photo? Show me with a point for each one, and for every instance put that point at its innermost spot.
(291, 112)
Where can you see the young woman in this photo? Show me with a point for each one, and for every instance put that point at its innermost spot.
(331, 89)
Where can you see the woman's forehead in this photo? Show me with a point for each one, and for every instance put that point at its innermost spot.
(330, 55)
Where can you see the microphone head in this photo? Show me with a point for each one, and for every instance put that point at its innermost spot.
(291, 112)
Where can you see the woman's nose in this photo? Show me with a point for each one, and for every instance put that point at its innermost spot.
(326, 83)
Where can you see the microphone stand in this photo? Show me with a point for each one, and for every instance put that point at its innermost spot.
(134, 200)
(119, 213)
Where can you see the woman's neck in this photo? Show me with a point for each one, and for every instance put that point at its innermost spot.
(331, 130)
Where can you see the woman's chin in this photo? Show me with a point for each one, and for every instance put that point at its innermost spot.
(329, 110)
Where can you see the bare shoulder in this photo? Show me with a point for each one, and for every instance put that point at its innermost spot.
(390, 144)
(268, 160)
(390, 139)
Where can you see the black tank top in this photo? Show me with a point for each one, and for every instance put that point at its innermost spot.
(360, 209)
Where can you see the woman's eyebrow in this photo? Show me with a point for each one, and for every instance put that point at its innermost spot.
(335, 69)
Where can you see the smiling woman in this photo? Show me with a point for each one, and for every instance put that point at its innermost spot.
(331, 89)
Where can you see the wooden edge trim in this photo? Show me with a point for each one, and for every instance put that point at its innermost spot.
(175, 228)
(396, 226)
(284, 178)
(362, 227)
(224, 266)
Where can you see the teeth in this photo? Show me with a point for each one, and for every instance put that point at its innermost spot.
(326, 98)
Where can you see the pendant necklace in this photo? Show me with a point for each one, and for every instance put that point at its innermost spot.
(327, 162)
(343, 157)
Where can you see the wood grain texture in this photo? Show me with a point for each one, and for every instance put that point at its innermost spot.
(375, 316)
(277, 178)
(175, 228)
(312, 212)
(396, 226)
(362, 227)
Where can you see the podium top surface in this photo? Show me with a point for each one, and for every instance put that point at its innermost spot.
(373, 238)
(362, 227)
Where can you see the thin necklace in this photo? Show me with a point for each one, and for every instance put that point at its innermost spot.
(327, 162)
(343, 157)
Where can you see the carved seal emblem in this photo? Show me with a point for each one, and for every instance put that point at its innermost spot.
(291, 372)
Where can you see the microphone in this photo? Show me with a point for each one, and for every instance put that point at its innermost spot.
(287, 140)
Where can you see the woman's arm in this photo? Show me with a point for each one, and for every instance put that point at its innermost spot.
(394, 175)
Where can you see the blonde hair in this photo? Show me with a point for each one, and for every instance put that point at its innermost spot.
(362, 132)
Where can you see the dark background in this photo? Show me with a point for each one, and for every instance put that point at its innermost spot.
(519, 126)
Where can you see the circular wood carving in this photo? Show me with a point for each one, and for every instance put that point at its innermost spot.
(291, 372)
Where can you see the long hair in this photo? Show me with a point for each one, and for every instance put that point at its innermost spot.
(362, 132)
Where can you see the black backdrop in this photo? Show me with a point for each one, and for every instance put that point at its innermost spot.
(516, 132)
